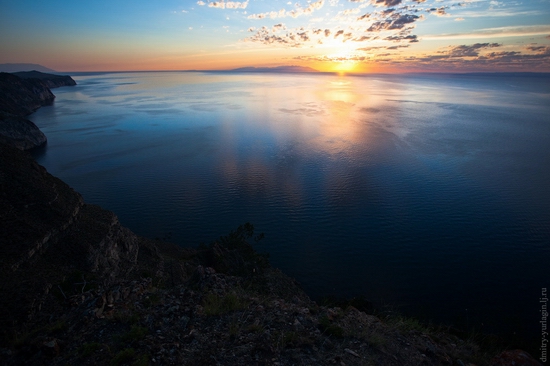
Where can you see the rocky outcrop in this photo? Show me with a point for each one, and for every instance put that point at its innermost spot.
(18, 98)
(48, 233)
(21, 94)
(51, 80)
(20, 132)
(21, 97)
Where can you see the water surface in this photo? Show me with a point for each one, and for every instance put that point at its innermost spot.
(430, 192)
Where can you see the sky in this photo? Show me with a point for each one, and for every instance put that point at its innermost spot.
(328, 35)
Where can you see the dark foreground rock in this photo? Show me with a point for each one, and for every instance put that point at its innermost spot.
(78, 288)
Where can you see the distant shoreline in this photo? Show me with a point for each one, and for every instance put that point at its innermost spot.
(471, 74)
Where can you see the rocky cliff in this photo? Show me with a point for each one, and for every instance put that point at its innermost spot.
(20, 96)
(51, 80)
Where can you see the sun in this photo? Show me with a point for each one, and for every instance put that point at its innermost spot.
(343, 67)
(345, 59)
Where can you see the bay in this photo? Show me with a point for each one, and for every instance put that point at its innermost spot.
(426, 192)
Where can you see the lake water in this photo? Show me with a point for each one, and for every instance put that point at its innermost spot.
(427, 192)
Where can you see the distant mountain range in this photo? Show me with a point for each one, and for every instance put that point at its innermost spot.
(24, 67)
(278, 69)
(18, 67)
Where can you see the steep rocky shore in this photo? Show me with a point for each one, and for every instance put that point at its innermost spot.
(78, 288)
(51, 80)
(20, 95)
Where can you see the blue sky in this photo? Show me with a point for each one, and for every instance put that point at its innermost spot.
(329, 35)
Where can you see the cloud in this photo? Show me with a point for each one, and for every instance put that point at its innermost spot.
(473, 57)
(367, 49)
(440, 12)
(356, 58)
(471, 50)
(399, 38)
(397, 46)
(538, 48)
(397, 21)
(394, 22)
(348, 12)
(492, 13)
(298, 11)
(387, 3)
(290, 39)
(225, 5)
(502, 32)
(361, 39)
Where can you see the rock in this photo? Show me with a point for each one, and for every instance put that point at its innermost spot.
(514, 358)
(351, 352)
(20, 133)
(21, 97)
(50, 236)
(51, 80)
(51, 348)
(21, 94)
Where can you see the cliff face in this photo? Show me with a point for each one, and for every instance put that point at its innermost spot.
(20, 132)
(48, 232)
(20, 95)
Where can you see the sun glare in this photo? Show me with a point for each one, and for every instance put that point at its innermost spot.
(345, 59)
(343, 67)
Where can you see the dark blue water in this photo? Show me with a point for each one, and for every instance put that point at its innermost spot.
(430, 192)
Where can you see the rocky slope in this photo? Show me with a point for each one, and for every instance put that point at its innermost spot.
(78, 288)
(20, 96)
